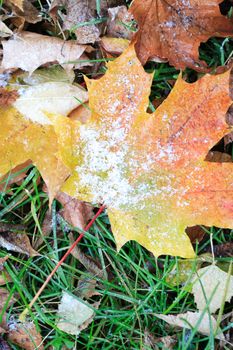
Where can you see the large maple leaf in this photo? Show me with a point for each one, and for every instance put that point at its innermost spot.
(174, 29)
(150, 169)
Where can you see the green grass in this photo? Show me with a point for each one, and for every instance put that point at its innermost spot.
(136, 287)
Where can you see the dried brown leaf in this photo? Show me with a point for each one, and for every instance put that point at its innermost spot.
(16, 175)
(195, 233)
(34, 50)
(173, 30)
(77, 213)
(25, 335)
(114, 45)
(155, 343)
(7, 97)
(86, 287)
(4, 276)
(25, 13)
(223, 250)
(17, 242)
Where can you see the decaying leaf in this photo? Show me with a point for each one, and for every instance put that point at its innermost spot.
(203, 323)
(77, 213)
(34, 50)
(16, 175)
(25, 335)
(23, 11)
(4, 298)
(87, 287)
(195, 233)
(173, 30)
(7, 97)
(17, 242)
(26, 134)
(74, 315)
(150, 169)
(212, 286)
(4, 276)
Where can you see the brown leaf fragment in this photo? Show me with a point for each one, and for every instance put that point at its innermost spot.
(173, 30)
(34, 50)
(81, 113)
(223, 250)
(26, 12)
(4, 30)
(195, 233)
(25, 335)
(17, 242)
(7, 97)
(77, 213)
(218, 157)
(118, 23)
(86, 287)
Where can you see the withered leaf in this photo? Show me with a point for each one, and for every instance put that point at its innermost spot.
(174, 29)
(34, 50)
(25, 335)
(17, 242)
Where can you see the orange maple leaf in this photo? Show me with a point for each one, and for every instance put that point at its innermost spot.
(150, 169)
(174, 29)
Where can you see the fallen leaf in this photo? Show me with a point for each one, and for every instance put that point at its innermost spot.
(218, 157)
(4, 298)
(212, 286)
(81, 113)
(87, 287)
(150, 169)
(25, 335)
(34, 50)
(17, 242)
(25, 13)
(114, 45)
(191, 319)
(223, 250)
(119, 22)
(48, 75)
(26, 134)
(74, 315)
(173, 30)
(77, 213)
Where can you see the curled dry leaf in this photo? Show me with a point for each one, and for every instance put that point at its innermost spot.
(26, 134)
(190, 320)
(77, 213)
(74, 315)
(212, 286)
(17, 242)
(34, 50)
(25, 335)
(150, 169)
(173, 30)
